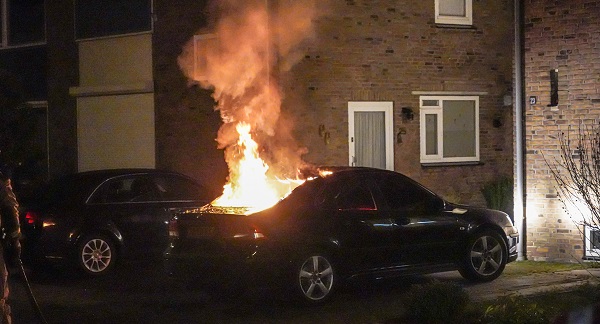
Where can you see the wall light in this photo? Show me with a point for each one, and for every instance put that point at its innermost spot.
(407, 113)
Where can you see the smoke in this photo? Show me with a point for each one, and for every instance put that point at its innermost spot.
(250, 44)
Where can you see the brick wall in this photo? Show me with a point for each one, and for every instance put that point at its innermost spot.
(385, 50)
(186, 123)
(376, 50)
(563, 35)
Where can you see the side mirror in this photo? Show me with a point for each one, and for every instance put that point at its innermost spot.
(436, 204)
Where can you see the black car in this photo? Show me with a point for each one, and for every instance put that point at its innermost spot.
(98, 217)
(353, 223)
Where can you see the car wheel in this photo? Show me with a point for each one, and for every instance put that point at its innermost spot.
(96, 255)
(316, 278)
(485, 257)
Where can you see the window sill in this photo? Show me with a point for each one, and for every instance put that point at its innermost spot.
(450, 164)
(454, 26)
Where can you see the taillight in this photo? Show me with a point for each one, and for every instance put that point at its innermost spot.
(173, 228)
(31, 218)
(254, 234)
(258, 234)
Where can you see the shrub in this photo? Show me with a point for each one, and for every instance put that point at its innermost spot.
(499, 195)
(515, 309)
(437, 302)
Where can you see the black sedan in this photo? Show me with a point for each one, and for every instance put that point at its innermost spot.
(95, 218)
(351, 223)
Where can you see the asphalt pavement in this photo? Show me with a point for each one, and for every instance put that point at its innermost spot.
(143, 295)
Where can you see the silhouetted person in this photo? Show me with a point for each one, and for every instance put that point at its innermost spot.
(11, 247)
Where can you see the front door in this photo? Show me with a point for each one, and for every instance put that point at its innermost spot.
(370, 134)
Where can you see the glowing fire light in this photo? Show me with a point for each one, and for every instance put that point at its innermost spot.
(249, 185)
(252, 44)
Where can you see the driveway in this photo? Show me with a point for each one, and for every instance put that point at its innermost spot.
(141, 293)
(523, 284)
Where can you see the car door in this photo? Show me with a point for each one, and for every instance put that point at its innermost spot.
(423, 232)
(141, 205)
(130, 204)
(362, 231)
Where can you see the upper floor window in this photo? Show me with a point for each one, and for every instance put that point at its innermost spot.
(449, 129)
(95, 19)
(454, 12)
(22, 22)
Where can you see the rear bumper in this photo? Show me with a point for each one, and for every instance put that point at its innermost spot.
(205, 271)
(225, 270)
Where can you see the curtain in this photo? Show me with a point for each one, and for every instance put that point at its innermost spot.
(369, 137)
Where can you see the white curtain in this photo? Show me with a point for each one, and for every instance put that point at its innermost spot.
(369, 131)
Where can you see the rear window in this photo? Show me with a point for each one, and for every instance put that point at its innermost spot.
(175, 188)
(58, 192)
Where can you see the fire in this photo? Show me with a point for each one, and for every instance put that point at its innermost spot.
(249, 186)
(245, 53)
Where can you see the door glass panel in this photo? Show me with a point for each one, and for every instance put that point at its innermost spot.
(430, 103)
(369, 131)
(459, 128)
(346, 194)
(431, 134)
(401, 194)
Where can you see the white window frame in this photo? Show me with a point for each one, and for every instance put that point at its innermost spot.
(201, 44)
(591, 252)
(439, 111)
(467, 19)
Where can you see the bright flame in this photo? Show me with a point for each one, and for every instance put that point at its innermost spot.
(249, 186)
(241, 57)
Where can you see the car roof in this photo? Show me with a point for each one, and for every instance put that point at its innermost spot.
(340, 171)
(81, 184)
(355, 170)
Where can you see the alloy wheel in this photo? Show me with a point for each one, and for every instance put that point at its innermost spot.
(96, 255)
(316, 278)
(487, 255)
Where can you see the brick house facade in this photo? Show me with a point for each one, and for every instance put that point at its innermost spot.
(371, 51)
(364, 51)
(562, 36)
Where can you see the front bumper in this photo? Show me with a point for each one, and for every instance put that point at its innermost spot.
(513, 242)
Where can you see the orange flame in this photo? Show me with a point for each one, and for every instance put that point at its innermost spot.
(251, 44)
(249, 186)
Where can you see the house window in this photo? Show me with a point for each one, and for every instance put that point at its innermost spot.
(22, 23)
(96, 19)
(449, 129)
(205, 45)
(454, 12)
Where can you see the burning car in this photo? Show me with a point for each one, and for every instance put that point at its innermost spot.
(344, 224)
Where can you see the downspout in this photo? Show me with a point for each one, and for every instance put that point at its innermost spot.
(520, 195)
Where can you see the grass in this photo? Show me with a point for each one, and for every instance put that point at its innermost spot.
(519, 268)
(514, 308)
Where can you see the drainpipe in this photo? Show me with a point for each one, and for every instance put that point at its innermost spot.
(520, 195)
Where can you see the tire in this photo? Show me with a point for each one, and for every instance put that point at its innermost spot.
(485, 257)
(315, 278)
(96, 255)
